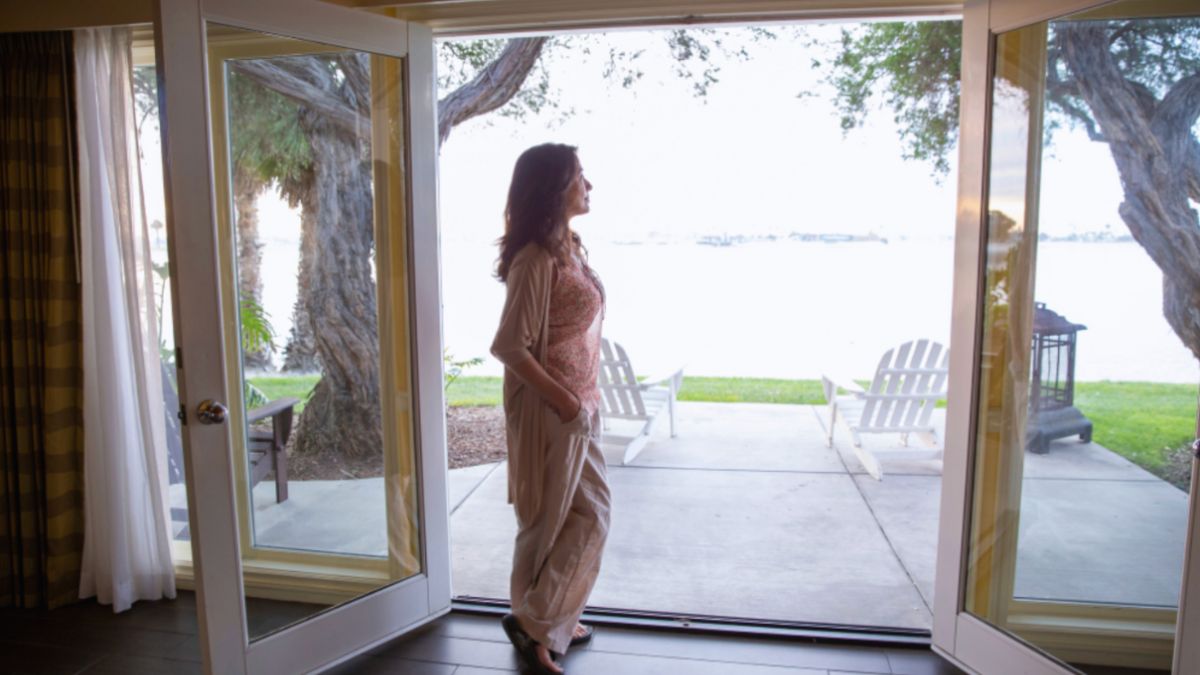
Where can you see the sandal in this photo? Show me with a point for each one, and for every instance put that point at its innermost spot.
(525, 645)
(588, 631)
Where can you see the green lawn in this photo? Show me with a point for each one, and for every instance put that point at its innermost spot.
(1135, 419)
(751, 390)
(1139, 419)
(486, 390)
(464, 391)
(475, 391)
(280, 386)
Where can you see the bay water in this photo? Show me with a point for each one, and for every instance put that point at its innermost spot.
(796, 309)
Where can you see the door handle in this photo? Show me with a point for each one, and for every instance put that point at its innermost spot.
(1196, 448)
(211, 412)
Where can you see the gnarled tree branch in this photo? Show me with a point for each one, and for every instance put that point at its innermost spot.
(1154, 159)
(1172, 123)
(494, 86)
(308, 82)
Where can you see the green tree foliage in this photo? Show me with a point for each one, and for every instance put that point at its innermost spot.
(266, 137)
(1133, 84)
(696, 54)
(913, 68)
(453, 367)
(257, 333)
(257, 336)
(145, 94)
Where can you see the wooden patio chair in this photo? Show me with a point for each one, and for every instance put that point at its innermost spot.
(268, 449)
(624, 397)
(908, 383)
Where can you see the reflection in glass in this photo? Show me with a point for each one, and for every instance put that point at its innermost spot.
(312, 146)
(1079, 506)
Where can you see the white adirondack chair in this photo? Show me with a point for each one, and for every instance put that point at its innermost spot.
(908, 383)
(623, 397)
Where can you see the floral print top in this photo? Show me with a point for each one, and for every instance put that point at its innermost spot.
(573, 347)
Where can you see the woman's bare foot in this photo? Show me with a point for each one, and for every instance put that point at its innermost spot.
(580, 631)
(547, 660)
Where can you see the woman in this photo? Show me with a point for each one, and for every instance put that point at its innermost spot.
(549, 342)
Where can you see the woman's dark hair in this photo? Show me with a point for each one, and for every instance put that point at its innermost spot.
(536, 204)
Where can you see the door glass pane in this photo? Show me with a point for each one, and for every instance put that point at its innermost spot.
(310, 159)
(1088, 370)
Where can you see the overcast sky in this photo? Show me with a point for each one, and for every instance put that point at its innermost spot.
(751, 157)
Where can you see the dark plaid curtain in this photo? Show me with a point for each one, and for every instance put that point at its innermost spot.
(41, 377)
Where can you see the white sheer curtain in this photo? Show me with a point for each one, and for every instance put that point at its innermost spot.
(126, 549)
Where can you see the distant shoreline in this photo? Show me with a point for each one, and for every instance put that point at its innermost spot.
(724, 240)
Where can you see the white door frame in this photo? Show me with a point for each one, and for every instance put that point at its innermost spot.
(358, 625)
(1187, 626)
(958, 635)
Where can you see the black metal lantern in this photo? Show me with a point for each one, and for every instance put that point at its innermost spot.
(1052, 412)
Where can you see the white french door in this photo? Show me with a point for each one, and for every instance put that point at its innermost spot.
(1011, 598)
(357, 95)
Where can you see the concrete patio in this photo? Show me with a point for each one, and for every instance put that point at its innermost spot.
(747, 514)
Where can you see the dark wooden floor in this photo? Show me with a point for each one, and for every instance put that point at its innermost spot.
(159, 638)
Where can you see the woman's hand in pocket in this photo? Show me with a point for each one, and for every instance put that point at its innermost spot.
(570, 411)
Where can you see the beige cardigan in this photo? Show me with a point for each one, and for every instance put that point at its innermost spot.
(523, 331)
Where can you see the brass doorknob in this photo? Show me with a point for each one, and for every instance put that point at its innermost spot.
(211, 412)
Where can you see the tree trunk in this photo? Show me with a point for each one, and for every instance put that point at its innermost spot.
(1156, 156)
(246, 188)
(335, 327)
(342, 415)
(300, 354)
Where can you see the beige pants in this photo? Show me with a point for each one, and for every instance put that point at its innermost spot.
(557, 555)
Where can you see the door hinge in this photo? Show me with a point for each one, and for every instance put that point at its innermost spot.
(182, 415)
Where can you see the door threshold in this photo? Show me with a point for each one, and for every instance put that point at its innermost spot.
(718, 625)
